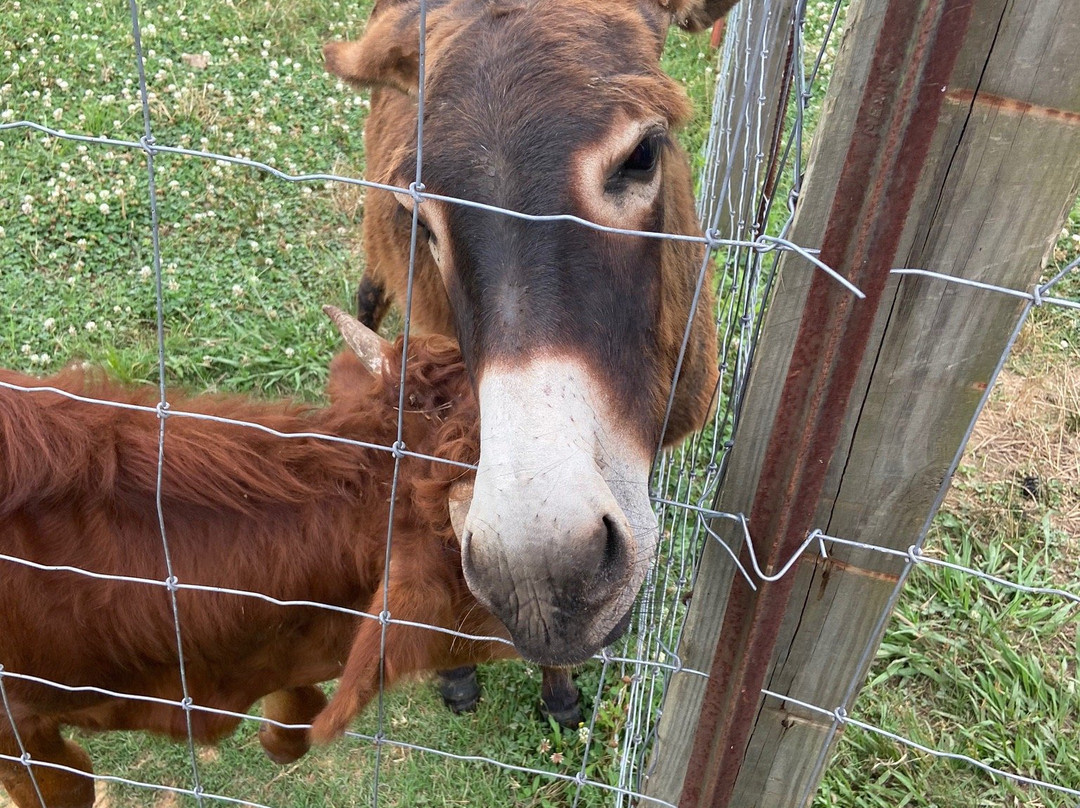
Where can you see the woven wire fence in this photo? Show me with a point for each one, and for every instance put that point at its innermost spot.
(633, 673)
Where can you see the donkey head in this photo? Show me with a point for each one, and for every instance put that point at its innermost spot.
(572, 335)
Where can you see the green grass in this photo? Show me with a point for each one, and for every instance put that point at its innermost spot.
(970, 668)
(248, 260)
(507, 728)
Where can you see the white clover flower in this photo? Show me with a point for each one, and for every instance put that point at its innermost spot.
(104, 208)
(237, 290)
(25, 349)
(290, 352)
(50, 323)
(90, 326)
(90, 197)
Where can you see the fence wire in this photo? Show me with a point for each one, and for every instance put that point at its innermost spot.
(742, 206)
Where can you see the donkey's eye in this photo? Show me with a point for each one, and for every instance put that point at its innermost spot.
(639, 165)
(642, 159)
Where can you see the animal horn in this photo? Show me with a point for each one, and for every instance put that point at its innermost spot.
(364, 342)
(461, 494)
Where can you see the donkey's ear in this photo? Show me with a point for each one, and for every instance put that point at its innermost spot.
(697, 15)
(388, 54)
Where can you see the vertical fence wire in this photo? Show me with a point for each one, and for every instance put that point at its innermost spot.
(163, 403)
(399, 444)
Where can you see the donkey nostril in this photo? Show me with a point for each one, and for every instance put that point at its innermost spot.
(614, 548)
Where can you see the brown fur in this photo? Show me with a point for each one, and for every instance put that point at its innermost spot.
(386, 58)
(296, 519)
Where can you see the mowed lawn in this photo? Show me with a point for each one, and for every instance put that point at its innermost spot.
(249, 259)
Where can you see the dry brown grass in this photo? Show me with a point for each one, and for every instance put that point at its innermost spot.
(1028, 439)
(1022, 463)
(349, 198)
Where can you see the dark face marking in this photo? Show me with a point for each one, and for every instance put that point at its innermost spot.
(509, 119)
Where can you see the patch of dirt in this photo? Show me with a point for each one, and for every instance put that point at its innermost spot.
(208, 754)
(1027, 441)
(167, 799)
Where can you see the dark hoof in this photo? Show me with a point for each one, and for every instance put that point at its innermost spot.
(567, 715)
(459, 689)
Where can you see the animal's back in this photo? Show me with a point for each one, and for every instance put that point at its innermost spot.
(77, 489)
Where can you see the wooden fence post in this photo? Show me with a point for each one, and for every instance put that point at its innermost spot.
(950, 141)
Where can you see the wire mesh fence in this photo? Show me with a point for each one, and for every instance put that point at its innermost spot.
(746, 222)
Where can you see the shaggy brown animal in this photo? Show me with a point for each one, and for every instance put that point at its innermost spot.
(295, 519)
(573, 336)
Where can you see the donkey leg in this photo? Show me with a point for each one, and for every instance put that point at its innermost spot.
(561, 699)
(59, 788)
(459, 689)
(371, 302)
(296, 705)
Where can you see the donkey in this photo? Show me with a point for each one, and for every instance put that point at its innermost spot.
(576, 338)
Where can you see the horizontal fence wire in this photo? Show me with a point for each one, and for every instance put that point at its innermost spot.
(685, 483)
(841, 718)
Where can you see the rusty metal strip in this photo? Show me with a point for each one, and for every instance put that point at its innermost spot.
(898, 114)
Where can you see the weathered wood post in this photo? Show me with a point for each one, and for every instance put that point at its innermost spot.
(950, 141)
